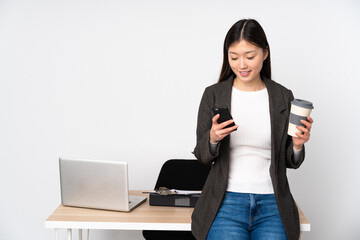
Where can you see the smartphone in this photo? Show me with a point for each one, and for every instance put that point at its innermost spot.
(224, 115)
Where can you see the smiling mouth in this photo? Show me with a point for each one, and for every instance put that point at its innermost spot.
(244, 73)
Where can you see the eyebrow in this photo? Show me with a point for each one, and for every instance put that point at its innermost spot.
(245, 52)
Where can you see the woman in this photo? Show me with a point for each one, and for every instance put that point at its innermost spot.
(246, 195)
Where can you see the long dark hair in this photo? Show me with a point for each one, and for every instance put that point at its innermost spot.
(251, 31)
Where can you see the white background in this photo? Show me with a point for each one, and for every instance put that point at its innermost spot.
(122, 80)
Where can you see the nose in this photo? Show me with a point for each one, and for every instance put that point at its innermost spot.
(242, 64)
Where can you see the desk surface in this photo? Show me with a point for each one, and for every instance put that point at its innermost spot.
(144, 217)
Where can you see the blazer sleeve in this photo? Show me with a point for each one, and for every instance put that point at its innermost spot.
(290, 162)
(204, 122)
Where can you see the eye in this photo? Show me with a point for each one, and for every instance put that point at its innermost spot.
(250, 58)
(233, 59)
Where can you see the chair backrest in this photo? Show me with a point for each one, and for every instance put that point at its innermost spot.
(182, 174)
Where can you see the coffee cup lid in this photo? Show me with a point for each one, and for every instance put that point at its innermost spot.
(302, 103)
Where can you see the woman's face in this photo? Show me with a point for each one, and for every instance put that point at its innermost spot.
(246, 61)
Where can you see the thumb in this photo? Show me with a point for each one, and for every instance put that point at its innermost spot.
(215, 118)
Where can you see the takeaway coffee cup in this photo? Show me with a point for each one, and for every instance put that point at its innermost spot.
(300, 110)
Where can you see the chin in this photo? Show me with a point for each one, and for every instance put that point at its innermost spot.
(245, 79)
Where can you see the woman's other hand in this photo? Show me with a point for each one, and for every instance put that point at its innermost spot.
(218, 130)
(303, 137)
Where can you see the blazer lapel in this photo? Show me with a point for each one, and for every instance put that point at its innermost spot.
(278, 119)
(223, 99)
(224, 94)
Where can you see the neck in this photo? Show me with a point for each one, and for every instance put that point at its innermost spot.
(249, 86)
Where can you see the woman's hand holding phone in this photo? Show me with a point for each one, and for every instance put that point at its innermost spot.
(218, 130)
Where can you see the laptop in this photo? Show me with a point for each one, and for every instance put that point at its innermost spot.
(96, 184)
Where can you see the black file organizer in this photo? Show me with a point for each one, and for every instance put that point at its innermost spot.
(173, 200)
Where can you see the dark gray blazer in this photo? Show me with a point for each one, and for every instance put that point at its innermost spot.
(219, 95)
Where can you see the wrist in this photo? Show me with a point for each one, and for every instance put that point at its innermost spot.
(212, 138)
(298, 147)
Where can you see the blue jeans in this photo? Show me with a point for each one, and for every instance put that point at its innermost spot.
(245, 216)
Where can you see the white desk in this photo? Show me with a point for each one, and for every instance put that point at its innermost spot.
(144, 217)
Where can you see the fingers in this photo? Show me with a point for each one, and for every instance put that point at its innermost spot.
(304, 136)
(227, 131)
(305, 130)
(310, 120)
(222, 130)
(219, 131)
(301, 137)
(222, 125)
(219, 134)
(308, 123)
(226, 123)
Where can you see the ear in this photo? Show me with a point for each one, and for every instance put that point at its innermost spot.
(266, 53)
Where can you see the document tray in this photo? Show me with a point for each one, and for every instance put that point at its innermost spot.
(173, 200)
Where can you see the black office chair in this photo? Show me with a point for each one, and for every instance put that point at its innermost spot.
(179, 174)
